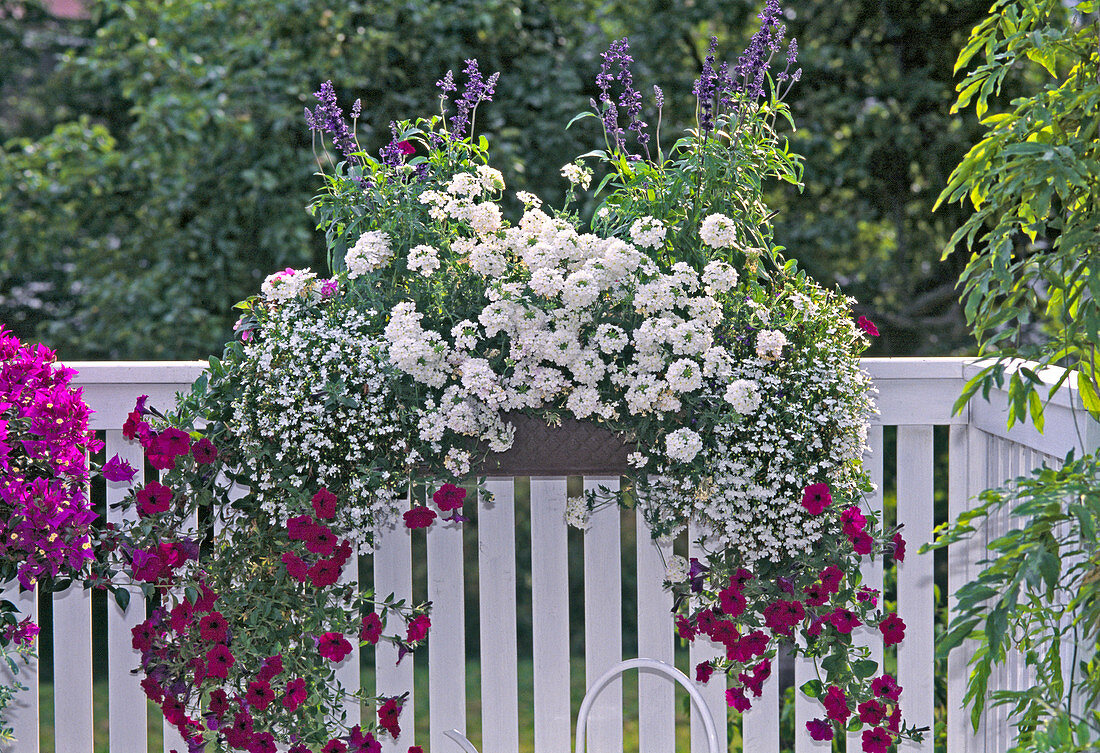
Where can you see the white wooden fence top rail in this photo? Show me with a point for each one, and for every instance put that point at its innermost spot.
(915, 395)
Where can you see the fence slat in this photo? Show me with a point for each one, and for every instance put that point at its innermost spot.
(393, 574)
(72, 661)
(871, 568)
(760, 724)
(603, 618)
(702, 649)
(347, 671)
(126, 706)
(23, 713)
(915, 585)
(656, 694)
(497, 582)
(550, 601)
(447, 647)
(962, 443)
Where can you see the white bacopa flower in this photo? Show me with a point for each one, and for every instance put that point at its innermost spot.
(603, 213)
(424, 259)
(637, 459)
(743, 395)
(371, 251)
(576, 513)
(769, 344)
(718, 231)
(683, 445)
(677, 569)
(648, 232)
(577, 174)
(718, 277)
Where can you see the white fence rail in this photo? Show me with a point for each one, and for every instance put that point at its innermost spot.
(915, 397)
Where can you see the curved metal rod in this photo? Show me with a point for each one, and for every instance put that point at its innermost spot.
(460, 738)
(657, 666)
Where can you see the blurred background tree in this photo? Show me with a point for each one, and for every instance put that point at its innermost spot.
(155, 164)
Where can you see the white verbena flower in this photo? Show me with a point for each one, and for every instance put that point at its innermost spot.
(769, 344)
(577, 174)
(648, 232)
(718, 277)
(718, 231)
(743, 395)
(423, 258)
(528, 199)
(371, 251)
(683, 445)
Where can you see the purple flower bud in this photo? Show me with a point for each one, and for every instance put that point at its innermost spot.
(659, 96)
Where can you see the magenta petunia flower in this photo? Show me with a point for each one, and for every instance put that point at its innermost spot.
(272, 668)
(819, 729)
(259, 695)
(372, 629)
(154, 498)
(892, 629)
(886, 686)
(213, 628)
(871, 712)
(845, 621)
(321, 540)
(333, 646)
(867, 326)
(296, 567)
(836, 704)
(735, 698)
(703, 671)
(831, 577)
(852, 521)
(449, 497)
(899, 547)
(388, 715)
(876, 740)
(816, 497)
(324, 504)
(419, 517)
(863, 544)
(299, 527)
(218, 661)
(418, 628)
(295, 694)
(204, 452)
(219, 703)
(324, 573)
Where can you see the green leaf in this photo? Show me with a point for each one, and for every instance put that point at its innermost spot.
(122, 598)
(812, 688)
(954, 637)
(864, 668)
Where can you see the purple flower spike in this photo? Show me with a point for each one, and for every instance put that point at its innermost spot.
(659, 96)
(706, 87)
(477, 90)
(328, 118)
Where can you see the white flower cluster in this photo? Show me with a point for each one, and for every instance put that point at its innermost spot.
(544, 280)
(577, 174)
(317, 410)
(289, 284)
(424, 259)
(648, 232)
(718, 231)
(677, 570)
(802, 420)
(371, 251)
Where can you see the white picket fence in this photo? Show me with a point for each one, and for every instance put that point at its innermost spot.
(915, 395)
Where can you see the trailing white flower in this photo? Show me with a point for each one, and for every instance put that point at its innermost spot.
(637, 459)
(372, 251)
(677, 570)
(718, 231)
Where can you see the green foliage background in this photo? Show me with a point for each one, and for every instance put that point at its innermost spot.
(155, 164)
